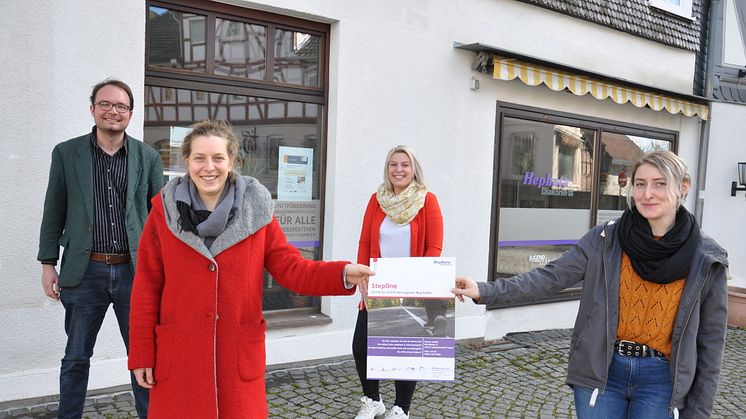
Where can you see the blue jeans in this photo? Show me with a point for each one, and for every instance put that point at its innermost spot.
(85, 308)
(638, 388)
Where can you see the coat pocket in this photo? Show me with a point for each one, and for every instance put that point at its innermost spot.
(164, 342)
(252, 357)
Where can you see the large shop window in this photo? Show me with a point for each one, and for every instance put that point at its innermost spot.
(557, 175)
(265, 74)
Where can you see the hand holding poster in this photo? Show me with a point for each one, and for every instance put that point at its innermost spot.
(411, 321)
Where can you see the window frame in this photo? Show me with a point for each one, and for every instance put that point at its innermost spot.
(600, 125)
(265, 88)
(250, 16)
(684, 10)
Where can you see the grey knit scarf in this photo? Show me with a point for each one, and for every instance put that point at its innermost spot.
(195, 217)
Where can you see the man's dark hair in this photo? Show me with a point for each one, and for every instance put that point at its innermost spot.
(113, 82)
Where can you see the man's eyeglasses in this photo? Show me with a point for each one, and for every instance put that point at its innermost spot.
(106, 106)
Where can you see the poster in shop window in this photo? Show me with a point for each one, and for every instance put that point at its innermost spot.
(295, 174)
(411, 319)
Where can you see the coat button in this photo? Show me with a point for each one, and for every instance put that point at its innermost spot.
(211, 267)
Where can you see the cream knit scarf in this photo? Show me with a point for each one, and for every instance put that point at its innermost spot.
(401, 208)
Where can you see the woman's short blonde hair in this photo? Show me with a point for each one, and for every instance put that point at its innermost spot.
(217, 128)
(417, 175)
(672, 168)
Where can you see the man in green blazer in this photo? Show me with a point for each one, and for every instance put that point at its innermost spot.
(97, 200)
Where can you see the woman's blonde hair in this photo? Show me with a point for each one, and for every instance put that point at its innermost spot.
(217, 128)
(417, 175)
(672, 168)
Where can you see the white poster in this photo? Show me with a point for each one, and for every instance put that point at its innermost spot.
(295, 174)
(429, 277)
(176, 136)
(411, 319)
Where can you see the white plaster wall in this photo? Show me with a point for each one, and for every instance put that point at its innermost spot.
(724, 217)
(506, 24)
(394, 78)
(51, 59)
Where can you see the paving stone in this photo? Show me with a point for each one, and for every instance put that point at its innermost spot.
(124, 397)
(18, 412)
(527, 381)
(38, 409)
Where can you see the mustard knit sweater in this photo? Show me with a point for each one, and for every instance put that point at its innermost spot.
(647, 311)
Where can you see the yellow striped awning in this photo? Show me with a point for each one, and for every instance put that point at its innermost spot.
(533, 75)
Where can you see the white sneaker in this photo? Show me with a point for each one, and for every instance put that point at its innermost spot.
(371, 408)
(396, 412)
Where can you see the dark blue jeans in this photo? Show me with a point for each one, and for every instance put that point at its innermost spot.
(638, 388)
(85, 308)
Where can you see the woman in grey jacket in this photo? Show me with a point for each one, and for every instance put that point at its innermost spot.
(649, 336)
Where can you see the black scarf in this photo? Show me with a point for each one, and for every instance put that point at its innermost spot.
(660, 261)
(189, 217)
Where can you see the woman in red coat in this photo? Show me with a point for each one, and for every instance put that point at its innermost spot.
(196, 325)
(402, 219)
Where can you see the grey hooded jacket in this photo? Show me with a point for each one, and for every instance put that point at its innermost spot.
(698, 337)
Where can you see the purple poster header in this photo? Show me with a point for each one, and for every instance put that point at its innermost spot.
(411, 347)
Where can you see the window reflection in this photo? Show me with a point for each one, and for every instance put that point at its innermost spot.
(262, 126)
(618, 153)
(240, 49)
(176, 39)
(545, 165)
(545, 192)
(296, 58)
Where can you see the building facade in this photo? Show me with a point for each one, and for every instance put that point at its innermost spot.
(722, 79)
(524, 115)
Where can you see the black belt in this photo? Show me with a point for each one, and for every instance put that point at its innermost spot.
(629, 348)
(111, 258)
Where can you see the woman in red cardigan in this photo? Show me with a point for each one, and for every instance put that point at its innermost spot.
(196, 325)
(402, 219)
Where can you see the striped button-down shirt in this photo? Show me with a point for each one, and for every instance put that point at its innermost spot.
(109, 197)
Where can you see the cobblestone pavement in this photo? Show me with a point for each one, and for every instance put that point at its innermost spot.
(520, 376)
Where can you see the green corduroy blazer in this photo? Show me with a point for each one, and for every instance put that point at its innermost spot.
(67, 220)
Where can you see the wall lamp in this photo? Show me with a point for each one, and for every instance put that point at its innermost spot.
(741, 179)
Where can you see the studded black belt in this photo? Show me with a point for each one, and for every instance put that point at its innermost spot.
(629, 348)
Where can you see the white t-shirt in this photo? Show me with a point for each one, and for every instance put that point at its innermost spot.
(395, 239)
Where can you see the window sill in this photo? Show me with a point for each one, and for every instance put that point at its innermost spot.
(302, 317)
(569, 294)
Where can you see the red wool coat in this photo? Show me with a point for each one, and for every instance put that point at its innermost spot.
(197, 319)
